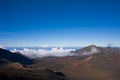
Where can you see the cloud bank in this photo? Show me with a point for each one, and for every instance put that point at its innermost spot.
(39, 53)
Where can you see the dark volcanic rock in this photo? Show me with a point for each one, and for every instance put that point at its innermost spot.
(58, 74)
(5, 54)
(24, 74)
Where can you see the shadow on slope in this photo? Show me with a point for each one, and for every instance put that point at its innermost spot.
(14, 57)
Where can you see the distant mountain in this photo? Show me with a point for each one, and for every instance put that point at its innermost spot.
(89, 50)
(14, 57)
(93, 49)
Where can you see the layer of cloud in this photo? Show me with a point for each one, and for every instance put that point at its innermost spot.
(38, 53)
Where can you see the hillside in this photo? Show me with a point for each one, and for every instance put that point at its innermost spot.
(89, 63)
(13, 66)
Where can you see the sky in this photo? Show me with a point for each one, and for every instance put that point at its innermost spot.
(59, 22)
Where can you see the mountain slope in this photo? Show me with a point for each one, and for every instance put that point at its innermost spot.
(93, 49)
(5, 54)
(12, 68)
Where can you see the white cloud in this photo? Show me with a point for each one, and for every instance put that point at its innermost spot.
(38, 53)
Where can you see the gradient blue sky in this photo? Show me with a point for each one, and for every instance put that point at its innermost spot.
(59, 22)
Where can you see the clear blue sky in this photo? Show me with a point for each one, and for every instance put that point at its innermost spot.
(59, 22)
